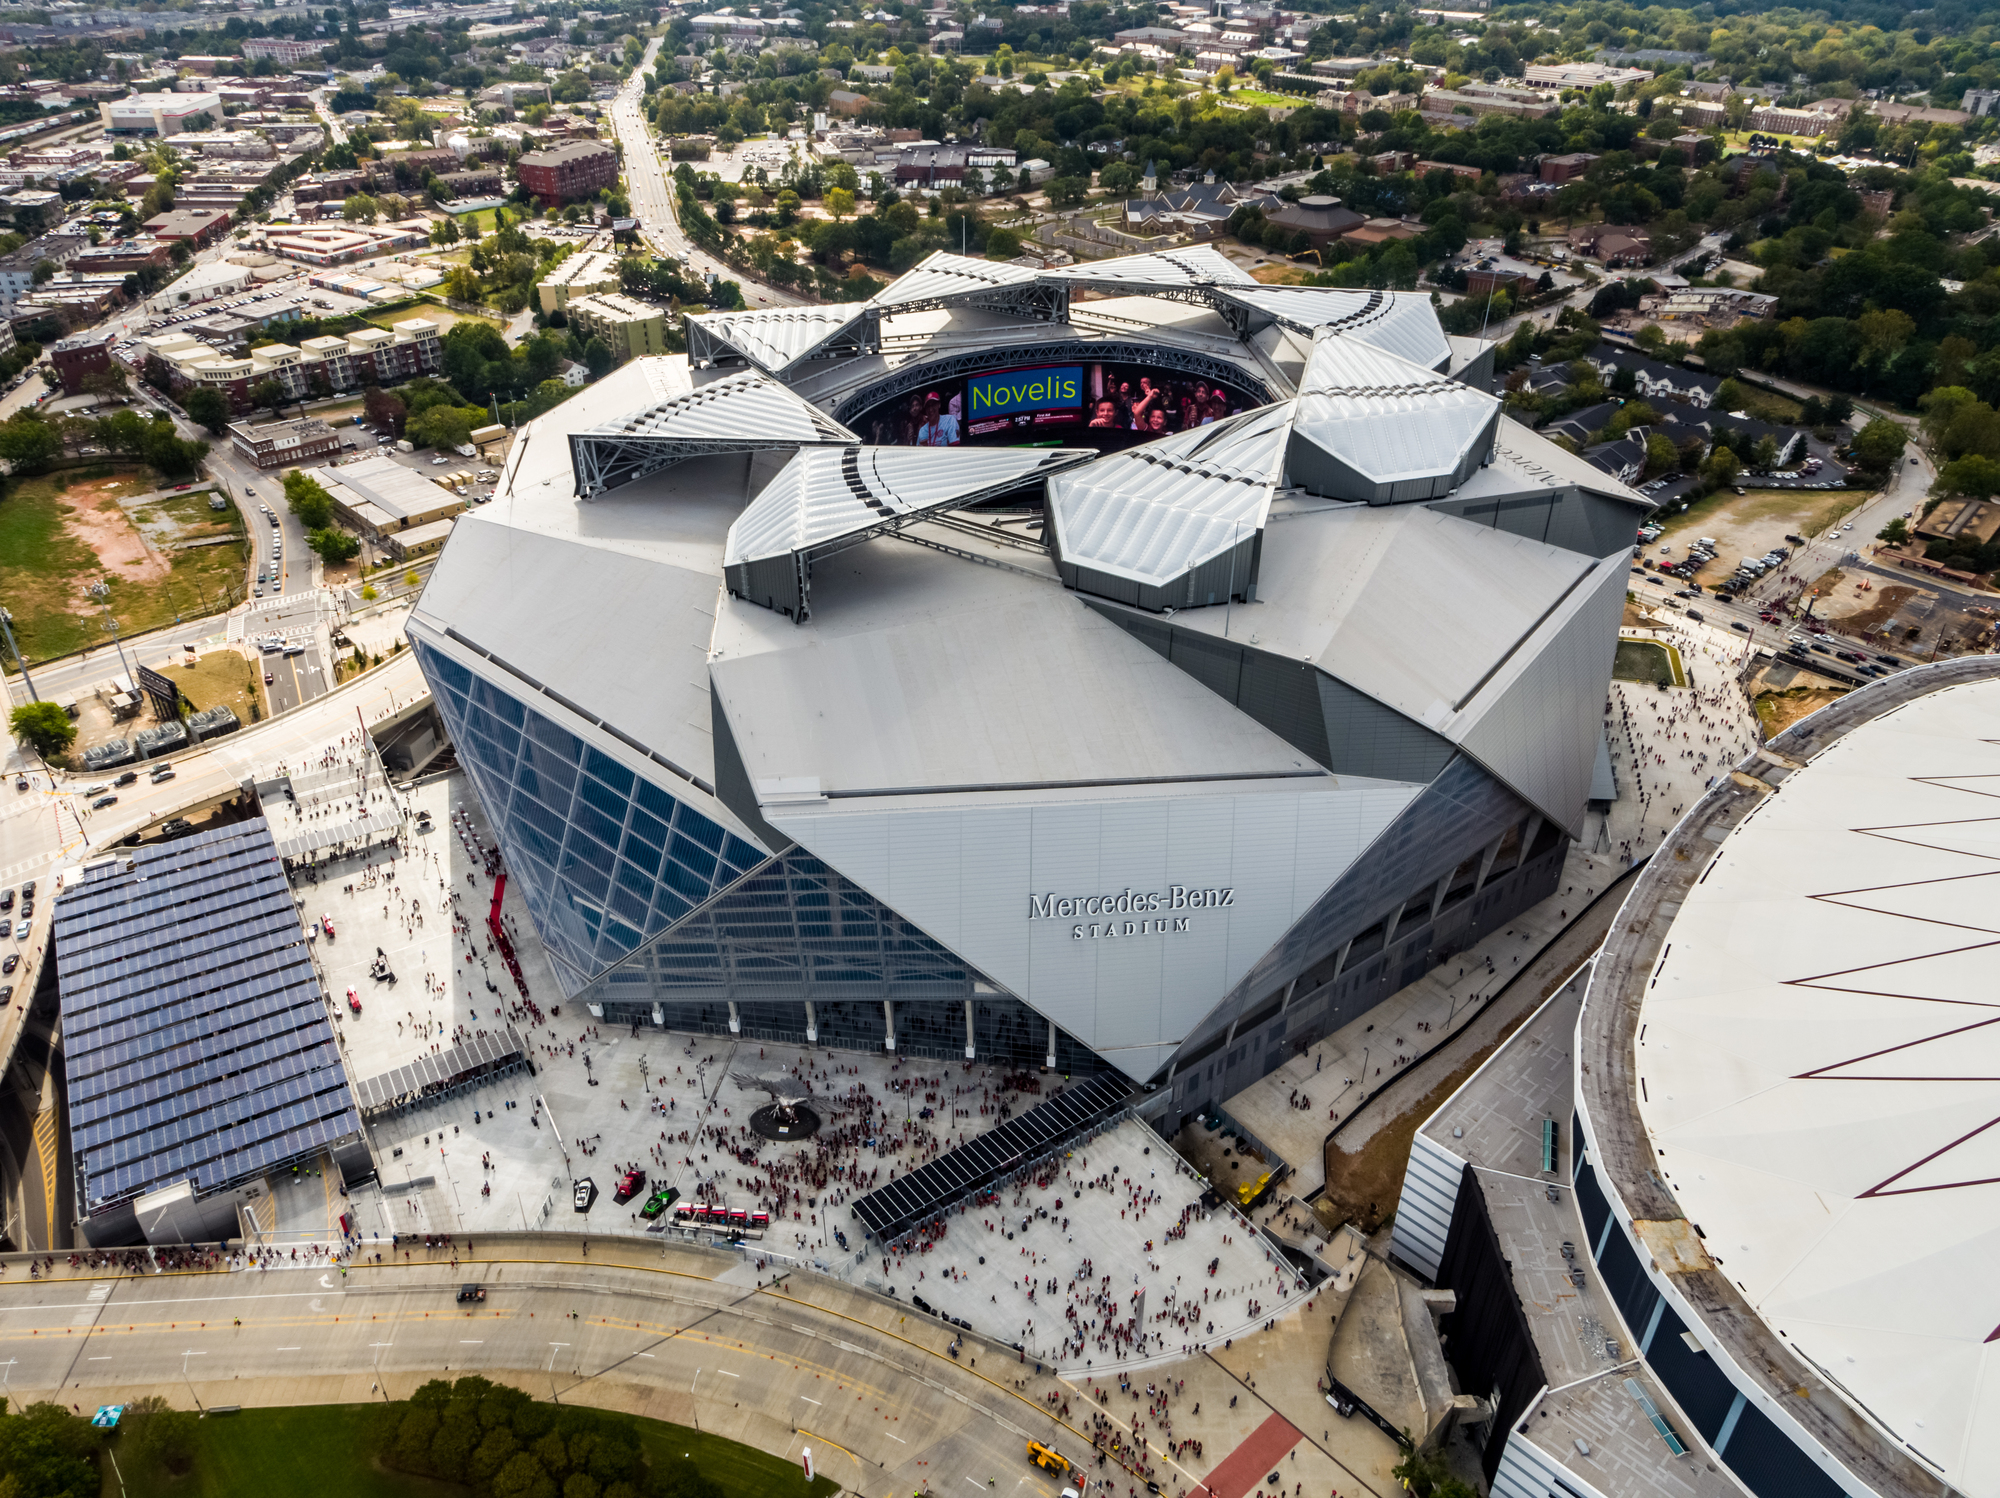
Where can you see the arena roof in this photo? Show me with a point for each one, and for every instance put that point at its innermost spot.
(1819, 1068)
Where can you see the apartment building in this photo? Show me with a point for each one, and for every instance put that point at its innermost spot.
(569, 173)
(578, 276)
(630, 328)
(381, 356)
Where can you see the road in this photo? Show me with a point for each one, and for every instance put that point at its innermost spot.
(882, 1409)
(693, 1336)
(652, 196)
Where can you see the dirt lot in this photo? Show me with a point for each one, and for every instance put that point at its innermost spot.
(1748, 525)
(1777, 711)
(61, 533)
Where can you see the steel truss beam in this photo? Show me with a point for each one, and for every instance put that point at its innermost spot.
(601, 462)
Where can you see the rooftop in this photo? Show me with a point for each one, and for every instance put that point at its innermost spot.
(195, 1033)
(1784, 1045)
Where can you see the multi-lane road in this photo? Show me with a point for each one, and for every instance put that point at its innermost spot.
(651, 193)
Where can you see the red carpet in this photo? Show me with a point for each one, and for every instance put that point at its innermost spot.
(1253, 1461)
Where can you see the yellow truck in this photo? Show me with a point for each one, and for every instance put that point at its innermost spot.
(1047, 1460)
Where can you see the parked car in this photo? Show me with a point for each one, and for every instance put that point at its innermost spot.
(586, 1194)
(21, 930)
(13, 961)
(629, 1185)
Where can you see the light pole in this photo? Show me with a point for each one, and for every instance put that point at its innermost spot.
(188, 1381)
(378, 1346)
(101, 591)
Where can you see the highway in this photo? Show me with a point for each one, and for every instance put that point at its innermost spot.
(652, 196)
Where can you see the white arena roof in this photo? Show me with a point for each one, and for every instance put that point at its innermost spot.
(1818, 1070)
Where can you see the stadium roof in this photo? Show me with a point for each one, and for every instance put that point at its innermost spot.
(829, 494)
(195, 1032)
(1155, 513)
(1378, 427)
(1818, 1067)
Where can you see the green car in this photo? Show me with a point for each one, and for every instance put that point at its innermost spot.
(658, 1202)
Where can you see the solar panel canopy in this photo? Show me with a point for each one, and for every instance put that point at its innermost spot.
(909, 1201)
(195, 1031)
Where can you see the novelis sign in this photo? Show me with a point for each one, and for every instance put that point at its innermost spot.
(1023, 390)
(1144, 912)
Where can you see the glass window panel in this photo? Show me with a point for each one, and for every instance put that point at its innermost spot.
(648, 827)
(655, 800)
(691, 823)
(608, 770)
(695, 858)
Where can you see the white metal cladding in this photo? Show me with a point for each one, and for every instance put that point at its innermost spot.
(1403, 323)
(1538, 722)
(975, 878)
(774, 338)
(1423, 1212)
(1152, 513)
(826, 493)
(1388, 422)
(747, 406)
(943, 274)
(1201, 265)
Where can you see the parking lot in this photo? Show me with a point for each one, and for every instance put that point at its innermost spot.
(1750, 525)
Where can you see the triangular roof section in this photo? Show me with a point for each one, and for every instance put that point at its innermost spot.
(745, 412)
(944, 279)
(1154, 513)
(1397, 322)
(1373, 426)
(826, 497)
(776, 338)
(1201, 266)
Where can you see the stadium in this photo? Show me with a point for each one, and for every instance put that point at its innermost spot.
(1125, 668)
(1715, 1219)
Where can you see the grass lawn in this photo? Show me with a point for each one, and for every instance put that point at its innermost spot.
(301, 1452)
(64, 531)
(482, 217)
(444, 317)
(740, 1471)
(313, 1451)
(1647, 661)
(222, 678)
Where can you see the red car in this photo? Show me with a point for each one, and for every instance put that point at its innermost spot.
(630, 1185)
(353, 1001)
(326, 925)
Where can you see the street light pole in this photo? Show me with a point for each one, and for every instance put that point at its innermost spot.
(7, 629)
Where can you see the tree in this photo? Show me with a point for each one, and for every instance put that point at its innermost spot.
(333, 545)
(308, 500)
(360, 209)
(385, 412)
(268, 393)
(1002, 244)
(597, 357)
(167, 453)
(44, 725)
(156, 1436)
(46, 1452)
(1879, 444)
(839, 203)
(1896, 532)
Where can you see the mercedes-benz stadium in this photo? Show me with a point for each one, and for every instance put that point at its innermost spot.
(1124, 666)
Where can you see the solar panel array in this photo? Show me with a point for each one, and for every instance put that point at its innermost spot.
(475, 1057)
(195, 1034)
(911, 1200)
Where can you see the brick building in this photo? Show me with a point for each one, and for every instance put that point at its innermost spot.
(284, 444)
(568, 173)
(318, 366)
(82, 355)
(197, 226)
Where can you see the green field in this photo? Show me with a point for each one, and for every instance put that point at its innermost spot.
(47, 560)
(321, 1452)
(303, 1453)
(1647, 661)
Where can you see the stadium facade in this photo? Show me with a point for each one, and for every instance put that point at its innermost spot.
(1719, 1222)
(1129, 666)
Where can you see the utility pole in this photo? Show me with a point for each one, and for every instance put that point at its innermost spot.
(7, 629)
